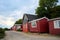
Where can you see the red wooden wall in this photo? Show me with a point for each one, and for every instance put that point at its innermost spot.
(25, 27)
(52, 30)
(42, 26)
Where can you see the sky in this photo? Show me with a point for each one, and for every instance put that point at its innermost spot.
(12, 10)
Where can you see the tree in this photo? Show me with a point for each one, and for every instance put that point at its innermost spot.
(55, 12)
(44, 7)
(19, 21)
(47, 3)
(6, 29)
(41, 11)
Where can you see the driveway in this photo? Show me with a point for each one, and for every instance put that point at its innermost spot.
(13, 35)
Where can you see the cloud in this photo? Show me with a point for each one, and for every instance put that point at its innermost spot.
(12, 10)
(58, 2)
(6, 21)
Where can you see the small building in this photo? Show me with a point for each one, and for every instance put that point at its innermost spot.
(16, 27)
(26, 19)
(39, 25)
(21, 28)
(54, 26)
(13, 28)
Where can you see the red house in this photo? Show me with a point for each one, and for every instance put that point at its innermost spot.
(32, 23)
(21, 28)
(16, 27)
(39, 25)
(26, 19)
(25, 27)
(54, 26)
(13, 28)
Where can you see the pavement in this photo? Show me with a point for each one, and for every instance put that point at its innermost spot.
(13, 35)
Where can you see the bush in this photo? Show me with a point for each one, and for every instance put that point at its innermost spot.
(2, 33)
(6, 29)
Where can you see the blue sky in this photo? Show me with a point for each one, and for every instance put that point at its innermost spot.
(12, 10)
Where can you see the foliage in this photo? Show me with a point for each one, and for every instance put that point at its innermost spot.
(2, 33)
(45, 7)
(48, 3)
(19, 21)
(6, 29)
(55, 12)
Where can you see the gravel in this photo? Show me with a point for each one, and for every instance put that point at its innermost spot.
(13, 35)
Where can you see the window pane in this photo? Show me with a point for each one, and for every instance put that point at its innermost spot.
(57, 24)
(33, 24)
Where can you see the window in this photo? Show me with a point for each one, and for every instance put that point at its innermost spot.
(33, 24)
(18, 27)
(57, 24)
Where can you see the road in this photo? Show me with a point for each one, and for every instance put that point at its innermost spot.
(13, 35)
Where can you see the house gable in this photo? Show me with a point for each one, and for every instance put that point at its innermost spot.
(28, 17)
(25, 19)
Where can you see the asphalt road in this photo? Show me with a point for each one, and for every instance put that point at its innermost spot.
(13, 35)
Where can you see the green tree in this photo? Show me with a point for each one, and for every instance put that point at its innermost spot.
(44, 7)
(55, 12)
(19, 21)
(6, 29)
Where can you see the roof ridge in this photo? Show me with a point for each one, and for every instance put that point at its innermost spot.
(30, 14)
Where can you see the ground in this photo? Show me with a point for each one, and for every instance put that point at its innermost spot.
(13, 35)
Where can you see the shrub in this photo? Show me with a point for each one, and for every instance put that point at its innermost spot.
(2, 33)
(6, 29)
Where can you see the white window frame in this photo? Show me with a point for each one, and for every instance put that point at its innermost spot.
(35, 24)
(56, 24)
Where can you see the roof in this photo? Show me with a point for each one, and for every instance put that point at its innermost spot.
(55, 19)
(40, 19)
(17, 24)
(31, 17)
